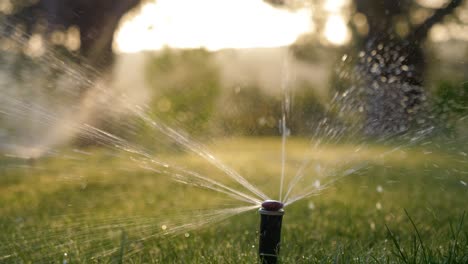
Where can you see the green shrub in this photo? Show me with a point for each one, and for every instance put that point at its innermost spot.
(249, 111)
(450, 104)
(186, 86)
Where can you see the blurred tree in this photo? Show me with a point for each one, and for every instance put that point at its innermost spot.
(392, 64)
(389, 61)
(51, 53)
(85, 26)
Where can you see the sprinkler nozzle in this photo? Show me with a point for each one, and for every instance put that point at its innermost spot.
(271, 218)
(272, 205)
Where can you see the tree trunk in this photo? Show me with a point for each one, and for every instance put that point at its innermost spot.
(96, 21)
(391, 69)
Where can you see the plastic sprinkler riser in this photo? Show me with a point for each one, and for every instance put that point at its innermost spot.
(271, 218)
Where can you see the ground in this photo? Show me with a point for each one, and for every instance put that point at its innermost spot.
(97, 205)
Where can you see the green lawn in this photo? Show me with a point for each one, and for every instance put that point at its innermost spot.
(104, 206)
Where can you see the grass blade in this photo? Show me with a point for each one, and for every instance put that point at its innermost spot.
(419, 236)
(397, 245)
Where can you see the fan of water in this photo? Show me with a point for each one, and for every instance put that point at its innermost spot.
(45, 109)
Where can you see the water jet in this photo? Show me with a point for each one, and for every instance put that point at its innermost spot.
(271, 218)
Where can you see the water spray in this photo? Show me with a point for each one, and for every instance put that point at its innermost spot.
(271, 217)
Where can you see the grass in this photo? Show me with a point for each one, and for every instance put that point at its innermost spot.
(101, 207)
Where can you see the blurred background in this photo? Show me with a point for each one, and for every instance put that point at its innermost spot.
(219, 67)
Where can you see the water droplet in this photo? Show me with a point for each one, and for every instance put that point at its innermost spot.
(317, 184)
(262, 121)
(392, 79)
(253, 246)
(163, 227)
(311, 206)
(379, 188)
(187, 235)
(378, 205)
(375, 68)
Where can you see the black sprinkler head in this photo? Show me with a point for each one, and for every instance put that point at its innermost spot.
(271, 218)
(272, 205)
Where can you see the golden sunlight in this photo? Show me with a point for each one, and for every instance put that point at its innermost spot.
(432, 3)
(212, 24)
(335, 6)
(336, 31)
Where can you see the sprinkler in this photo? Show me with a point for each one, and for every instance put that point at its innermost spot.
(271, 217)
